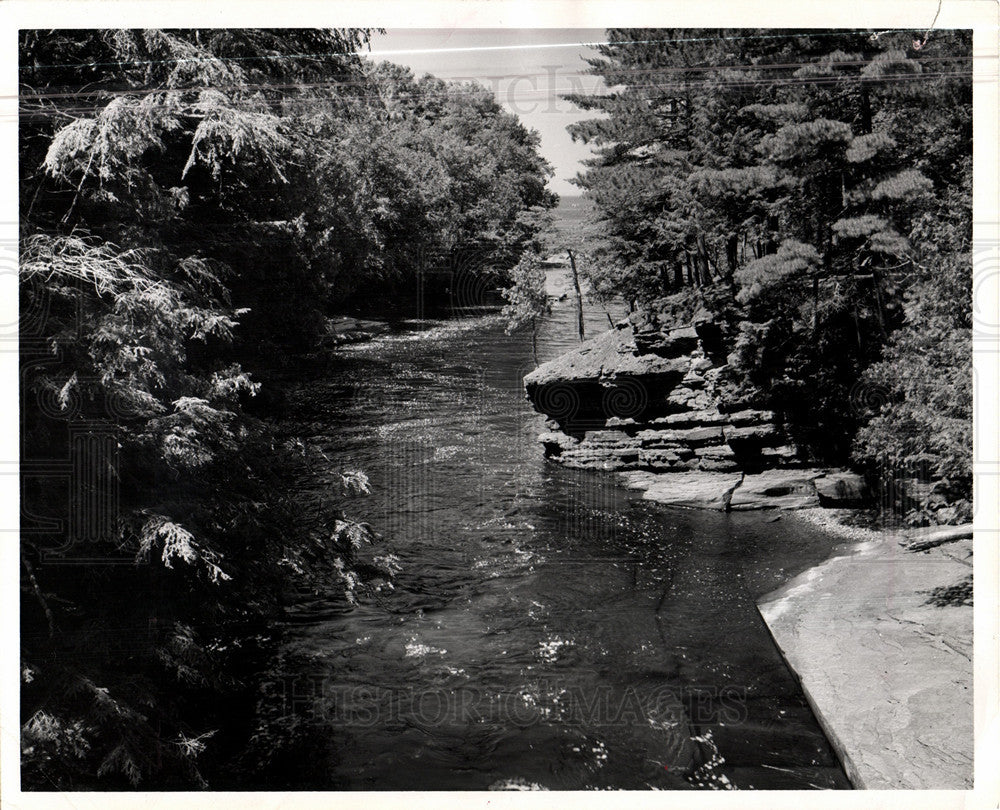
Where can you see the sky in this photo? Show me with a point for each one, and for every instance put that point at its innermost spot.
(527, 68)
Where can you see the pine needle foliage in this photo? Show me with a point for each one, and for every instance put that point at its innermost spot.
(197, 203)
(803, 184)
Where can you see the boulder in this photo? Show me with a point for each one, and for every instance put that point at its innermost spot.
(695, 489)
(610, 354)
(777, 489)
(556, 442)
(605, 378)
(841, 489)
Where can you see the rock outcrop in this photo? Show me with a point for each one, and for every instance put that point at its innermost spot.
(841, 489)
(777, 489)
(645, 400)
(881, 641)
(733, 491)
(695, 490)
(634, 399)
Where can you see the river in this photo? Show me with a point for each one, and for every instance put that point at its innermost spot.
(548, 629)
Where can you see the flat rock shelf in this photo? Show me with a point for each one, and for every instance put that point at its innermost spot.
(737, 491)
(881, 640)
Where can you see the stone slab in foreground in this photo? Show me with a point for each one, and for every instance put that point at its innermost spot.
(777, 489)
(885, 660)
(736, 491)
(695, 490)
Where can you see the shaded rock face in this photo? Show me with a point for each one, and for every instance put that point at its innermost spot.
(640, 399)
(842, 489)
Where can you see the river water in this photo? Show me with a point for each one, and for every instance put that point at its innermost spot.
(548, 629)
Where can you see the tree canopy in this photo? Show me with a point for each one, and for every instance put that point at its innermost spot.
(196, 204)
(812, 187)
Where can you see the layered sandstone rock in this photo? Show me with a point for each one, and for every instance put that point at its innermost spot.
(640, 399)
(645, 400)
(777, 489)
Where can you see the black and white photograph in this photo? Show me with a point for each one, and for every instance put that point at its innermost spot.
(493, 408)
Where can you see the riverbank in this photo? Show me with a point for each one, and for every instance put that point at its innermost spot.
(880, 637)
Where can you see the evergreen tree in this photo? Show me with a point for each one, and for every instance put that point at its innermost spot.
(196, 204)
(787, 176)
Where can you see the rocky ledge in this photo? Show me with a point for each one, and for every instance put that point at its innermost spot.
(885, 658)
(626, 401)
(740, 491)
(644, 400)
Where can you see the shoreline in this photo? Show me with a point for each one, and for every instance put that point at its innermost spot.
(880, 640)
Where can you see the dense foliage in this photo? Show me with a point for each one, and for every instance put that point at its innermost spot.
(195, 204)
(527, 298)
(813, 190)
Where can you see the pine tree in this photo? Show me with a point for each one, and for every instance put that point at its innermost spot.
(784, 176)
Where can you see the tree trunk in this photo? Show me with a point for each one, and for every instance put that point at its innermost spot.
(664, 274)
(771, 246)
(878, 304)
(815, 305)
(702, 256)
(39, 595)
(732, 260)
(678, 274)
(579, 295)
(866, 110)
(732, 243)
